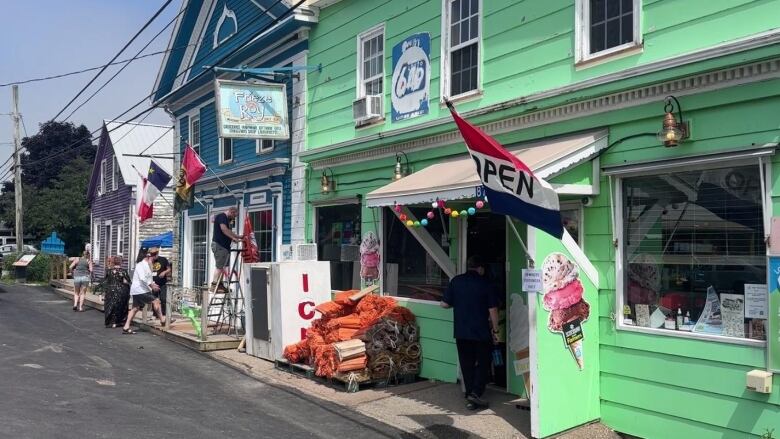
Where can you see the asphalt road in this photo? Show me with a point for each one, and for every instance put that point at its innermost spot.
(63, 375)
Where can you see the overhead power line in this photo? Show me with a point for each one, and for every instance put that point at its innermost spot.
(73, 147)
(90, 69)
(125, 66)
(137, 34)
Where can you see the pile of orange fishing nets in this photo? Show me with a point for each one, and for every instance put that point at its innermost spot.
(387, 330)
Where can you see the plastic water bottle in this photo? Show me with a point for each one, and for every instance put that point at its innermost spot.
(498, 359)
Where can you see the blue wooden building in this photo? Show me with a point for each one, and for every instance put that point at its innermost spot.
(263, 178)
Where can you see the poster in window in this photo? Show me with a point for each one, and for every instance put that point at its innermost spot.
(755, 301)
(411, 81)
(732, 311)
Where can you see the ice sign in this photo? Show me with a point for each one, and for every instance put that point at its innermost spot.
(411, 77)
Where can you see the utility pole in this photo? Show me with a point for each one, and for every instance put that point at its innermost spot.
(17, 169)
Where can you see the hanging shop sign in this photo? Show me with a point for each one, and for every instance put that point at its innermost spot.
(773, 336)
(252, 110)
(411, 83)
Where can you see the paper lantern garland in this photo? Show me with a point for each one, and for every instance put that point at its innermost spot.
(441, 206)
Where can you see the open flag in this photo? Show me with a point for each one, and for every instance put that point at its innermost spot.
(151, 186)
(192, 168)
(510, 186)
(249, 253)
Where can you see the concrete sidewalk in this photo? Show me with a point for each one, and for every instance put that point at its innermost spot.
(426, 409)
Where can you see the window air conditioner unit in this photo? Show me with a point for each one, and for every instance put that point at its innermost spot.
(367, 108)
(305, 252)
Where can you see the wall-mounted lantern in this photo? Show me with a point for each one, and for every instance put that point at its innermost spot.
(673, 132)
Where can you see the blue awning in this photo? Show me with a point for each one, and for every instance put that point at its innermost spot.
(163, 240)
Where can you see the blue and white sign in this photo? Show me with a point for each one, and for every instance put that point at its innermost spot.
(411, 83)
(252, 110)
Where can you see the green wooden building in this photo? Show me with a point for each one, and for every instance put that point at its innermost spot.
(674, 220)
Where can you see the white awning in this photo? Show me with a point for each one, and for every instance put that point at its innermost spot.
(458, 179)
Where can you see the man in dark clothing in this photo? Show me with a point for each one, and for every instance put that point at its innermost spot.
(161, 269)
(221, 239)
(475, 318)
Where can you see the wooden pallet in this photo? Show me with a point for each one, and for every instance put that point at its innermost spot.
(294, 368)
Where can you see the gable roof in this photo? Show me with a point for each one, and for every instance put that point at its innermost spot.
(139, 138)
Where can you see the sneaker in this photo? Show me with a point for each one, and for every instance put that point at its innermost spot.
(476, 400)
(470, 405)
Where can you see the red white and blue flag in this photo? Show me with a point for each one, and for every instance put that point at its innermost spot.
(511, 187)
(155, 182)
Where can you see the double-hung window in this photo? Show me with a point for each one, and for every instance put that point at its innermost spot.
(103, 177)
(115, 174)
(605, 27)
(462, 30)
(225, 150)
(265, 145)
(371, 62)
(195, 134)
(692, 254)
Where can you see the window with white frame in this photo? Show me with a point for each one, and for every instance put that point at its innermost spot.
(225, 150)
(606, 26)
(571, 215)
(462, 30)
(199, 251)
(693, 252)
(263, 227)
(115, 174)
(371, 62)
(195, 134)
(265, 145)
(120, 241)
(103, 177)
(96, 241)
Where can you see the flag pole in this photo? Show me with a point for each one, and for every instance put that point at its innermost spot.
(511, 223)
(221, 182)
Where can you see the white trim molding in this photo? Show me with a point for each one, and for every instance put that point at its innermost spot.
(582, 28)
(226, 14)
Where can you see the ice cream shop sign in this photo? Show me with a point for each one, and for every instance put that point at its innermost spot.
(252, 110)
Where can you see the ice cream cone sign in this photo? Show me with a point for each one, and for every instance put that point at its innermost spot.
(563, 298)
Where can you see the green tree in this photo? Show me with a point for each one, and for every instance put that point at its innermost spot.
(54, 185)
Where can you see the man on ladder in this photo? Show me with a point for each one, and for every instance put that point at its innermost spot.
(222, 237)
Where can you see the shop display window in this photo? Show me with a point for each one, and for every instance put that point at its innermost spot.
(338, 241)
(409, 270)
(693, 250)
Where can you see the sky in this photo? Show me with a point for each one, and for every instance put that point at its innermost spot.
(51, 37)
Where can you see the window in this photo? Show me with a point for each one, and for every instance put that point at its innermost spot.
(338, 241)
(606, 26)
(263, 226)
(96, 241)
(103, 177)
(461, 53)
(265, 145)
(195, 134)
(571, 215)
(120, 241)
(225, 150)
(371, 62)
(108, 239)
(115, 174)
(199, 251)
(693, 251)
(409, 270)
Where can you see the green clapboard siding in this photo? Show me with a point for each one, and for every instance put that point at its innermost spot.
(440, 357)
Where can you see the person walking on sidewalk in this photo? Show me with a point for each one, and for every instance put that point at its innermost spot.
(117, 293)
(141, 290)
(161, 269)
(221, 238)
(82, 274)
(475, 318)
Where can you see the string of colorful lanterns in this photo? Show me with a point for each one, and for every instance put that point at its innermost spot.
(438, 205)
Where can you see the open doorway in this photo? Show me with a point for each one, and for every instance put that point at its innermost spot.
(486, 237)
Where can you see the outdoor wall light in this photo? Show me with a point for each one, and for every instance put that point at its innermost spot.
(401, 170)
(327, 184)
(673, 132)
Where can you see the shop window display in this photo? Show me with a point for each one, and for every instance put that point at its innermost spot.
(694, 252)
(409, 270)
(338, 241)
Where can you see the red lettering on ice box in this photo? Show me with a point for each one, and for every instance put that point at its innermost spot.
(305, 283)
(303, 333)
(302, 310)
